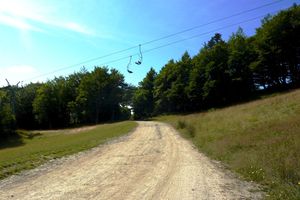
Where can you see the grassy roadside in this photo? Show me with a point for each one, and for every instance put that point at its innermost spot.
(34, 148)
(259, 140)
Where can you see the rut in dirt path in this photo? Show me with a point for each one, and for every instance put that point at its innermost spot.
(153, 162)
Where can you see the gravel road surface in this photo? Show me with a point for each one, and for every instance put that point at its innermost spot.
(152, 162)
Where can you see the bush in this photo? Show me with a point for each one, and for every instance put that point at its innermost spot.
(7, 118)
(191, 130)
(181, 124)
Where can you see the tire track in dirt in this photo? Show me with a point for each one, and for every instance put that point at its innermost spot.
(153, 162)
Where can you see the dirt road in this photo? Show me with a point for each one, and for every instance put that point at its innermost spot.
(153, 162)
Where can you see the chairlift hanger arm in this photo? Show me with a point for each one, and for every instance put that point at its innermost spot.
(7, 82)
(140, 55)
(129, 63)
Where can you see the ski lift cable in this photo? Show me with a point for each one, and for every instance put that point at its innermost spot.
(204, 33)
(185, 39)
(213, 21)
(181, 40)
(158, 39)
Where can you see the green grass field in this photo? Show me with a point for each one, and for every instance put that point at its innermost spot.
(259, 140)
(32, 149)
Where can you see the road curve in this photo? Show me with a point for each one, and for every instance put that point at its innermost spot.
(153, 162)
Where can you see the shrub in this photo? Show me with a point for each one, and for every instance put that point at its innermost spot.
(181, 124)
(7, 118)
(191, 130)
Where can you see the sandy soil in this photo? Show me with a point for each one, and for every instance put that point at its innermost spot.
(153, 162)
(67, 131)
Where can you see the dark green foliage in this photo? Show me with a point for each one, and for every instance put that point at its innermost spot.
(51, 103)
(24, 107)
(278, 46)
(241, 55)
(128, 93)
(7, 118)
(143, 100)
(224, 73)
(100, 95)
(73, 108)
(83, 97)
(171, 85)
(217, 79)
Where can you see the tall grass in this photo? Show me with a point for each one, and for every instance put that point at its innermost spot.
(37, 148)
(259, 140)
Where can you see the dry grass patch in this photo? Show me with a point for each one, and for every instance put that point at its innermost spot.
(260, 140)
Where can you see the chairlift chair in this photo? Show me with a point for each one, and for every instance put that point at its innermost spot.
(139, 62)
(129, 63)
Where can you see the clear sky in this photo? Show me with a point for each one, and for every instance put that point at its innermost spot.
(39, 37)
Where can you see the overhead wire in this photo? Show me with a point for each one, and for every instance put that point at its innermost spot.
(156, 40)
(204, 33)
(185, 39)
(212, 22)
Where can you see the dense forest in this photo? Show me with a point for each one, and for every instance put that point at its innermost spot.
(80, 98)
(222, 73)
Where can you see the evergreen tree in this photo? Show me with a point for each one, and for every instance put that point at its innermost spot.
(7, 118)
(278, 47)
(241, 55)
(143, 100)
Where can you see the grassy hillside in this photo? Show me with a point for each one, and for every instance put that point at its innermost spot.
(35, 148)
(260, 140)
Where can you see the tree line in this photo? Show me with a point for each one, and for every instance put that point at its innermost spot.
(80, 98)
(226, 72)
(222, 73)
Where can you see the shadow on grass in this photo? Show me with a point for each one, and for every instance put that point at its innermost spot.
(30, 135)
(12, 141)
(17, 139)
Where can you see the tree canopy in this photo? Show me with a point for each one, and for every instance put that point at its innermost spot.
(223, 72)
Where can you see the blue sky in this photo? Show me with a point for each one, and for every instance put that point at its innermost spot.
(40, 37)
